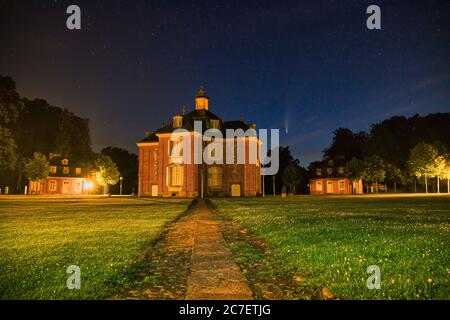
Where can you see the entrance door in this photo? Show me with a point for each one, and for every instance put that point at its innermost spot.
(154, 190)
(329, 186)
(66, 186)
(235, 190)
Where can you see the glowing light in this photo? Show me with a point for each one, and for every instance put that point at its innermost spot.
(88, 185)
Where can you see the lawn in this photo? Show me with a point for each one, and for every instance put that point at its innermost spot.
(40, 237)
(329, 241)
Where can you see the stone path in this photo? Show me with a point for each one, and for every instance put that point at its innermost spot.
(214, 274)
(190, 261)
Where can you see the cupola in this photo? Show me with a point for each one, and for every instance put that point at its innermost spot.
(201, 99)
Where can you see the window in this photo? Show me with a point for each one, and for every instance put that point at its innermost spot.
(214, 177)
(177, 121)
(78, 171)
(341, 185)
(330, 163)
(329, 170)
(52, 186)
(78, 186)
(65, 162)
(176, 176)
(214, 123)
(53, 169)
(66, 170)
(176, 148)
(341, 170)
(319, 172)
(318, 185)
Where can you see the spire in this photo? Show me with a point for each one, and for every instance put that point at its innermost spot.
(201, 92)
(201, 98)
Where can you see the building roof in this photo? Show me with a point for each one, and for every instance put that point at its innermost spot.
(196, 115)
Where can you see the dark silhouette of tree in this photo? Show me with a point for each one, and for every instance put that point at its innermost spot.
(285, 159)
(292, 176)
(10, 106)
(394, 175)
(373, 171)
(355, 170)
(392, 139)
(127, 164)
(346, 143)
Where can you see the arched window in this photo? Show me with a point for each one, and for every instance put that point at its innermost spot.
(215, 177)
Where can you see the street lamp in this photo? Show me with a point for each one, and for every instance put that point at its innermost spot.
(121, 179)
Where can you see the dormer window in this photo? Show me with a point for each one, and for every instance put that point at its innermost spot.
(53, 169)
(319, 172)
(177, 121)
(65, 162)
(330, 163)
(341, 170)
(77, 170)
(66, 170)
(214, 124)
(329, 170)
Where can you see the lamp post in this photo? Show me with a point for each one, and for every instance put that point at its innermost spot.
(121, 179)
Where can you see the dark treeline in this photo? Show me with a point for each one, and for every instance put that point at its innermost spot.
(390, 140)
(29, 126)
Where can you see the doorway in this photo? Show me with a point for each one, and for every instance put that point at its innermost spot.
(329, 186)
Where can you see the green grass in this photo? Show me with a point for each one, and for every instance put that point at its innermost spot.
(330, 241)
(40, 237)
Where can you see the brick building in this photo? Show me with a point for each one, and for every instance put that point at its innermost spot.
(63, 179)
(329, 177)
(160, 175)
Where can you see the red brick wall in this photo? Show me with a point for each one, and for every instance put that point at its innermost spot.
(335, 190)
(248, 175)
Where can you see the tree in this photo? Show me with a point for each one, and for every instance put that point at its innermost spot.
(106, 172)
(37, 168)
(438, 169)
(355, 170)
(285, 158)
(127, 164)
(346, 143)
(446, 172)
(291, 176)
(394, 175)
(373, 171)
(10, 106)
(422, 161)
(392, 139)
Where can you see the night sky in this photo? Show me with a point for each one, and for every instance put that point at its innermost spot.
(312, 66)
